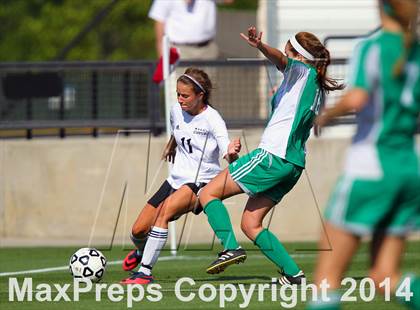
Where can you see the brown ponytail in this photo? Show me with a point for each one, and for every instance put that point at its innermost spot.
(322, 60)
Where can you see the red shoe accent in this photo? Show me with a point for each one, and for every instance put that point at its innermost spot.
(131, 261)
(138, 278)
(173, 58)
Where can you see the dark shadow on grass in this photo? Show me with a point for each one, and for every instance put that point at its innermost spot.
(238, 278)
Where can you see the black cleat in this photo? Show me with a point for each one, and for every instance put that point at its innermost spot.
(286, 279)
(226, 258)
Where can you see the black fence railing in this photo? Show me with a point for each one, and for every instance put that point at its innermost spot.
(94, 94)
(121, 95)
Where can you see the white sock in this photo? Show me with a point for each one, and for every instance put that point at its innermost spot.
(155, 243)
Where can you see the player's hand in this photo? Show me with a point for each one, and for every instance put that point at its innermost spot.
(169, 151)
(234, 146)
(253, 38)
(169, 155)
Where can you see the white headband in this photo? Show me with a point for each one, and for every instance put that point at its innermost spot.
(299, 48)
(195, 82)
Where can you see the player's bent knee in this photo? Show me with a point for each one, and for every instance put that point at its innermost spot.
(250, 228)
(205, 197)
(169, 217)
(247, 232)
(139, 230)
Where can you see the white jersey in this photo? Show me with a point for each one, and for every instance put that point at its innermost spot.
(294, 107)
(186, 22)
(201, 140)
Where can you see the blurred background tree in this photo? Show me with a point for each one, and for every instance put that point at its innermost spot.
(38, 30)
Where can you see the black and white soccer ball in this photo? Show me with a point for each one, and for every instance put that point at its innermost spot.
(88, 263)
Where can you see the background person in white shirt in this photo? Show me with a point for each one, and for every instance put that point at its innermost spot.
(189, 24)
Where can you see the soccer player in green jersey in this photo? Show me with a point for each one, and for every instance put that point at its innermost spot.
(270, 171)
(378, 193)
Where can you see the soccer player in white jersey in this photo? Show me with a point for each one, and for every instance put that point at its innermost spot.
(269, 172)
(199, 138)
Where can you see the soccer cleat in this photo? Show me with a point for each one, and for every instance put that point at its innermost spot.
(131, 261)
(226, 258)
(286, 279)
(138, 278)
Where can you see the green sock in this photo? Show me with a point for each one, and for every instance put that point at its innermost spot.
(414, 302)
(275, 251)
(219, 220)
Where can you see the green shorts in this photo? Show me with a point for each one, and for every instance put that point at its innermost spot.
(262, 173)
(361, 206)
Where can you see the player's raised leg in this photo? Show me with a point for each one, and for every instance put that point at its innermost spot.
(142, 225)
(139, 235)
(181, 201)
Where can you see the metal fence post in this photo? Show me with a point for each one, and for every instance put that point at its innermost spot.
(94, 97)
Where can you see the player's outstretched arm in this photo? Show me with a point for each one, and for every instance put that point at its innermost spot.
(354, 100)
(234, 148)
(274, 55)
(169, 151)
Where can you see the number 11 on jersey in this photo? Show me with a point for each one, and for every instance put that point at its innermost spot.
(190, 150)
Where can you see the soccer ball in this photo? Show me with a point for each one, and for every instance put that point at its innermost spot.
(87, 263)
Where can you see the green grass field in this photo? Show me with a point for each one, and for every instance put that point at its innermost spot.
(256, 270)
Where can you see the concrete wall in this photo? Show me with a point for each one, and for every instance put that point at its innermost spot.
(54, 191)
